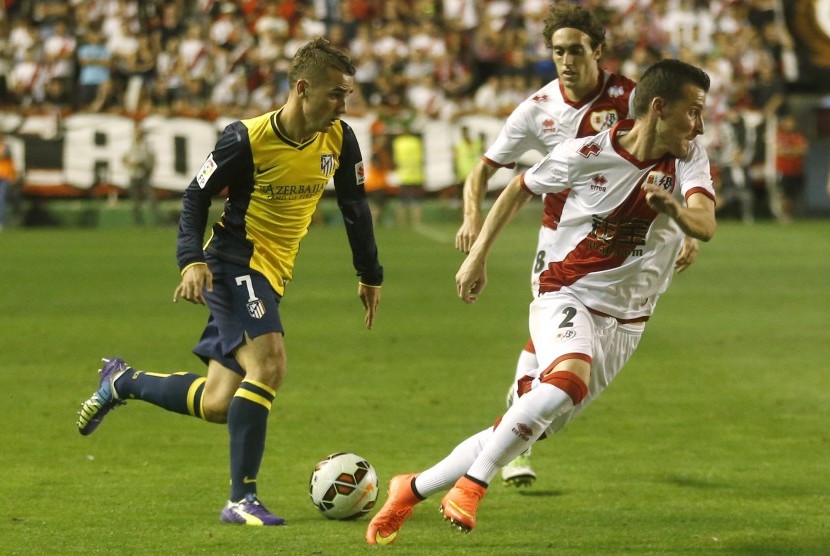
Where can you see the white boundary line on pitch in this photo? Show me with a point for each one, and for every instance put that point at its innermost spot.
(433, 234)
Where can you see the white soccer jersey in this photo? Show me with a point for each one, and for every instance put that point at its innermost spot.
(613, 252)
(547, 118)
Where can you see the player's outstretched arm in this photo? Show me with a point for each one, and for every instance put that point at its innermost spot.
(475, 188)
(472, 276)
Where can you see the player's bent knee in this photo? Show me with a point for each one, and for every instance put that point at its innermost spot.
(215, 411)
(270, 372)
(214, 408)
(571, 383)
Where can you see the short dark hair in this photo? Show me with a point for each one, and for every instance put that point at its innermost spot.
(314, 58)
(666, 79)
(564, 14)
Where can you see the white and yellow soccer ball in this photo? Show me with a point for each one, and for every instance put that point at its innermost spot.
(343, 486)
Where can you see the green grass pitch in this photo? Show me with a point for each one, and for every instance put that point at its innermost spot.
(714, 440)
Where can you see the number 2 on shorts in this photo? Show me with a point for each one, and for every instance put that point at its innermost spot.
(569, 313)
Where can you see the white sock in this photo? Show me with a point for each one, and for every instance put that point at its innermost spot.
(520, 427)
(526, 364)
(446, 472)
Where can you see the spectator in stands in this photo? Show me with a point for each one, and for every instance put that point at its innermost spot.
(47, 13)
(170, 74)
(408, 157)
(94, 84)
(486, 96)
(140, 68)
(194, 53)
(461, 15)
(377, 186)
(368, 70)
(791, 148)
(8, 178)
(59, 55)
(172, 24)
(22, 37)
(5, 62)
(123, 47)
(141, 161)
(454, 68)
(425, 96)
(731, 158)
(467, 152)
(27, 79)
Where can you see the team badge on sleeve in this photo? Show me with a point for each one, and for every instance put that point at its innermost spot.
(359, 173)
(207, 170)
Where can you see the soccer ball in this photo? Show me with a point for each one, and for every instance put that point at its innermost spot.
(343, 486)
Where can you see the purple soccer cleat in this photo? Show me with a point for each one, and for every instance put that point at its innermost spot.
(104, 399)
(248, 511)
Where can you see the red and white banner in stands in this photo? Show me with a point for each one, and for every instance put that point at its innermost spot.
(70, 156)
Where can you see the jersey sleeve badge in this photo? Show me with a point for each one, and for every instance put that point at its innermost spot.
(359, 173)
(207, 170)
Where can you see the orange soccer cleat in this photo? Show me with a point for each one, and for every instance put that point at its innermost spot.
(387, 523)
(461, 502)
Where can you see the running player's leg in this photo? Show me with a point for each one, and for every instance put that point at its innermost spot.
(405, 491)
(566, 352)
(519, 472)
(248, 340)
(181, 392)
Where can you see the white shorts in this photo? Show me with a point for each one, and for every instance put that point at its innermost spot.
(560, 326)
(544, 247)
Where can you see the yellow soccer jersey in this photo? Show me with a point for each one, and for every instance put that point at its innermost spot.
(273, 187)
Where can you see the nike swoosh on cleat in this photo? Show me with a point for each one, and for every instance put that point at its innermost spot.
(460, 509)
(380, 539)
(249, 519)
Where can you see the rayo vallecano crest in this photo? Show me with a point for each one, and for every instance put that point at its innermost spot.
(327, 164)
(603, 119)
(666, 181)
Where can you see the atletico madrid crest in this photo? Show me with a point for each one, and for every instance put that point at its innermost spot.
(256, 308)
(327, 164)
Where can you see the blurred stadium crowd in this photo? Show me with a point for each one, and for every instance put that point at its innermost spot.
(439, 58)
(428, 59)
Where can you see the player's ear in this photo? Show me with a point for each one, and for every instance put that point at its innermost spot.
(301, 87)
(658, 105)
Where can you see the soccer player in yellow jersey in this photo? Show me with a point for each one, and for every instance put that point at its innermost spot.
(275, 168)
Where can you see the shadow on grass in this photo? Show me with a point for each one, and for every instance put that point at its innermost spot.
(692, 482)
(541, 493)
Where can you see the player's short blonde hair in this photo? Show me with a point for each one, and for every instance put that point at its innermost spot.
(313, 60)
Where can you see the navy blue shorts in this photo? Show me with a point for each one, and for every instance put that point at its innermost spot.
(242, 302)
